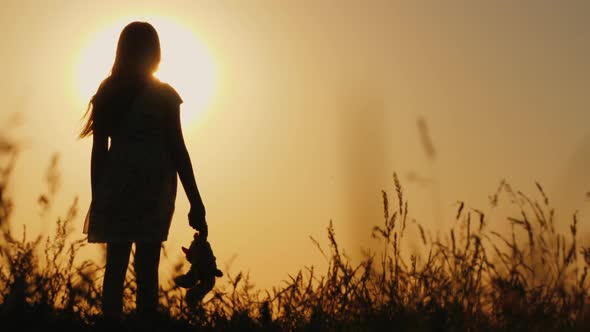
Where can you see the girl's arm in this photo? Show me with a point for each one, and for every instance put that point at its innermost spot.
(185, 169)
(98, 158)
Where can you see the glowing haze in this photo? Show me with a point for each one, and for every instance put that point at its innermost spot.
(299, 112)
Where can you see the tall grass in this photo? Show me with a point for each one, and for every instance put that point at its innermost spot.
(475, 278)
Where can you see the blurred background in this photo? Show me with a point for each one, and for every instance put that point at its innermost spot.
(299, 112)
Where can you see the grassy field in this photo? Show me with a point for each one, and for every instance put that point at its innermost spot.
(475, 279)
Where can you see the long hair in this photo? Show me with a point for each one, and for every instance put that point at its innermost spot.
(137, 58)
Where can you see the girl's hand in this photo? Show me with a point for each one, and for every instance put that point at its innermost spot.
(196, 219)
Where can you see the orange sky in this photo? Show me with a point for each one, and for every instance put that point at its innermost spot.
(314, 107)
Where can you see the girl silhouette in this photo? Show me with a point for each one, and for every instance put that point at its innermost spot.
(133, 179)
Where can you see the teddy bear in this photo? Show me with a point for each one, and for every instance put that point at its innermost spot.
(200, 279)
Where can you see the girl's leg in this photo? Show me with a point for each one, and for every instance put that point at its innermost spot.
(147, 258)
(114, 277)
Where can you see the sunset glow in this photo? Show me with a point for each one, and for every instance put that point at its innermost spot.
(427, 160)
(186, 64)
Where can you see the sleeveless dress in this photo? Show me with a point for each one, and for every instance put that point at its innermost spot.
(135, 196)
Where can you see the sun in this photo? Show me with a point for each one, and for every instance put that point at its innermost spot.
(186, 64)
